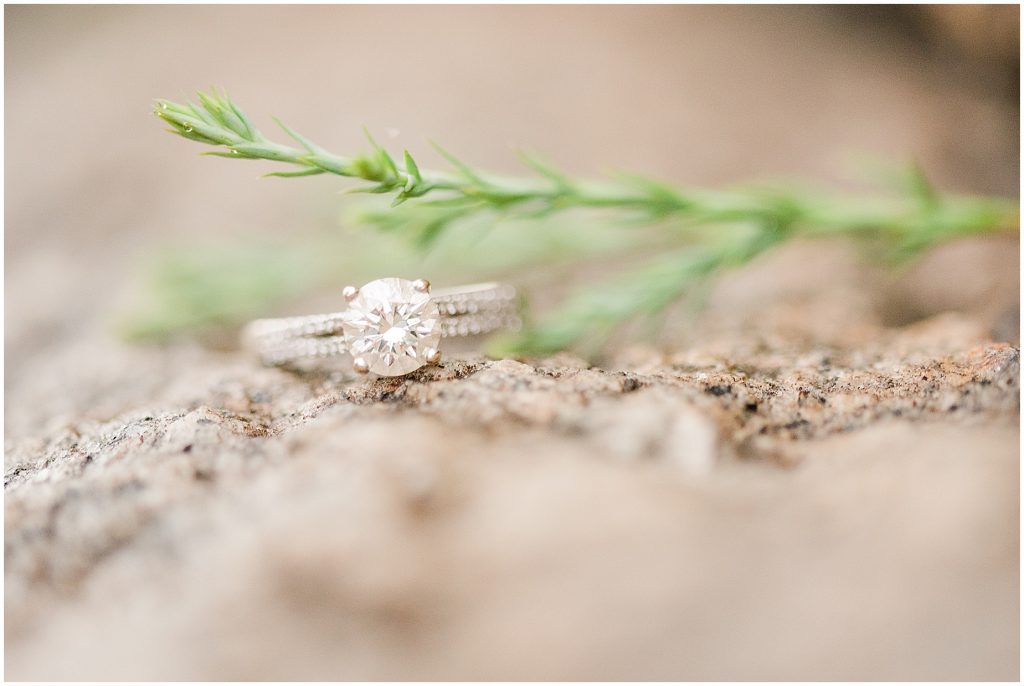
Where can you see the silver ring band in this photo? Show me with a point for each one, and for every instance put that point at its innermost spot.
(416, 312)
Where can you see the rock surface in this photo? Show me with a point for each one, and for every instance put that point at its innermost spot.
(835, 513)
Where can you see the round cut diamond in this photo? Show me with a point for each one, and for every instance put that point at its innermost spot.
(391, 325)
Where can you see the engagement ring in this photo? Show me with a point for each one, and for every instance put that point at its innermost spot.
(391, 326)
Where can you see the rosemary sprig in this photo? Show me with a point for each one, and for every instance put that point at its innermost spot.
(745, 221)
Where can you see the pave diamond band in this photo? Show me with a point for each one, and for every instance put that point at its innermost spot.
(391, 326)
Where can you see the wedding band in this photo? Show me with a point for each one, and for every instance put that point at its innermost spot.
(391, 326)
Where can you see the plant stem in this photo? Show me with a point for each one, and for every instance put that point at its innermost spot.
(748, 220)
(914, 219)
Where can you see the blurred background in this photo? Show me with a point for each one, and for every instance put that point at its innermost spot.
(97, 194)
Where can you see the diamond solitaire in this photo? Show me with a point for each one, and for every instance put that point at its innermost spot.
(392, 326)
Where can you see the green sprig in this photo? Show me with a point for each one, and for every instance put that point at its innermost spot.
(712, 230)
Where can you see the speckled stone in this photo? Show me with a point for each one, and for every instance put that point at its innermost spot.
(483, 518)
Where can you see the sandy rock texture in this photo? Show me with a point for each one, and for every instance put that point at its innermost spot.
(764, 513)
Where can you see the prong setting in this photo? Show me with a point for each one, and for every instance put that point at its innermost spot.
(422, 285)
(390, 324)
(360, 366)
(432, 355)
(349, 292)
